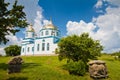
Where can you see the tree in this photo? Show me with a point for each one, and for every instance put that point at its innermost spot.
(11, 20)
(77, 48)
(12, 50)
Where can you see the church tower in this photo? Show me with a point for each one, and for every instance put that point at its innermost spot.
(27, 43)
(30, 32)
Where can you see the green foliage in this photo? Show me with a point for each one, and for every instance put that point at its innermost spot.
(79, 48)
(11, 20)
(116, 55)
(77, 67)
(13, 50)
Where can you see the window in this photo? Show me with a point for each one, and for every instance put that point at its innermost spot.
(23, 50)
(38, 47)
(46, 33)
(42, 33)
(32, 34)
(48, 46)
(43, 46)
(52, 33)
(57, 34)
(32, 48)
(28, 49)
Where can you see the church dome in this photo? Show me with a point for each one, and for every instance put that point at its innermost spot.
(50, 26)
(30, 28)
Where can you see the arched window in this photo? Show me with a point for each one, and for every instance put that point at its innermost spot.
(32, 34)
(23, 50)
(28, 49)
(48, 46)
(42, 33)
(38, 47)
(53, 32)
(57, 33)
(43, 46)
(46, 33)
(32, 48)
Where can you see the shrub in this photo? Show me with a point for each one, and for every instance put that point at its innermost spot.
(76, 68)
(12, 50)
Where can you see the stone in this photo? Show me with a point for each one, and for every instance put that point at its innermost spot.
(14, 65)
(97, 69)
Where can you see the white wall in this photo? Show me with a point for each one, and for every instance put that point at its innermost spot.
(26, 51)
(45, 40)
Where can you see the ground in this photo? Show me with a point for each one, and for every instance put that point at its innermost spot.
(50, 68)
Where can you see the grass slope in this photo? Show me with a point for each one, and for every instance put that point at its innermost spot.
(50, 68)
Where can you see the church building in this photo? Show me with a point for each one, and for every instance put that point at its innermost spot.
(45, 43)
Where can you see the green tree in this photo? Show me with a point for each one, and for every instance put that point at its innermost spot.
(11, 20)
(78, 48)
(12, 50)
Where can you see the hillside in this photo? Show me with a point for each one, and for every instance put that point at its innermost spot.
(50, 68)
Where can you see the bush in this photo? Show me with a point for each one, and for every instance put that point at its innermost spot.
(12, 50)
(76, 68)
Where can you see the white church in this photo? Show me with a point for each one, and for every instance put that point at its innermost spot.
(45, 43)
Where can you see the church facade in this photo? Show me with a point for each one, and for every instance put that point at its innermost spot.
(45, 43)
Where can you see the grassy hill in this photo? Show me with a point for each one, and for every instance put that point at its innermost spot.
(50, 68)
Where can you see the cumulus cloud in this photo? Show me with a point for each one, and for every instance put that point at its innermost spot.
(113, 2)
(13, 40)
(79, 27)
(99, 4)
(109, 28)
(105, 28)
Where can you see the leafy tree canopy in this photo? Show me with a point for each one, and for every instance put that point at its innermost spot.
(11, 20)
(78, 48)
(12, 50)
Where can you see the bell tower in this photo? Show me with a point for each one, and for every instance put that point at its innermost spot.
(30, 33)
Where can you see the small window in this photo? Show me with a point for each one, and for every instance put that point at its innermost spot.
(46, 33)
(57, 33)
(48, 46)
(32, 48)
(52, 33)
(42, 33)
(38, 47)
(32, 34)
(28, 49)
(43, 46)
(23, 50)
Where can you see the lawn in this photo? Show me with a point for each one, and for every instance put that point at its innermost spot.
(50, 68)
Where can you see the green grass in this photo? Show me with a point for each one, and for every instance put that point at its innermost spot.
(50, 68)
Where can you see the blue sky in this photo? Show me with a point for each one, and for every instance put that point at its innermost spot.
(100, 18)
(62, 11)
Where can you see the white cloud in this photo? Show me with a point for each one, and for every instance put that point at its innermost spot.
(99, 4)
(79, 27)
(108, 28)
(13, 40)
(114, 2)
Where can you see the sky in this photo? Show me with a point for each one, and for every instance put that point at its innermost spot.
(100, 18)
